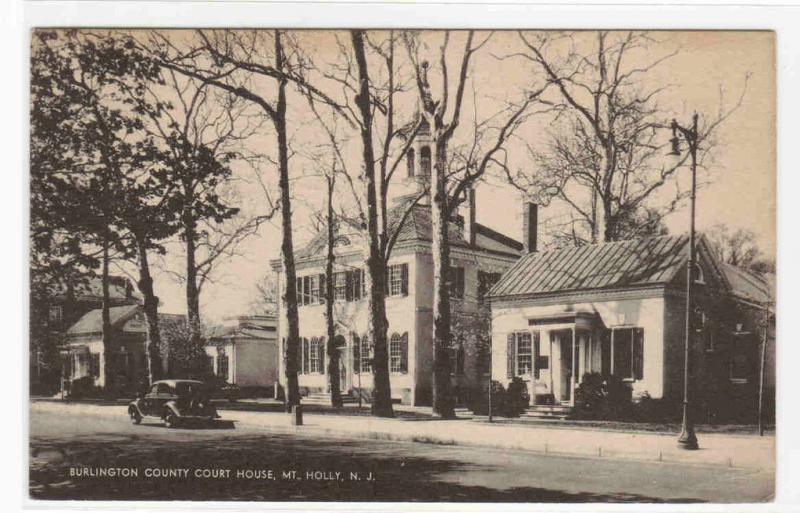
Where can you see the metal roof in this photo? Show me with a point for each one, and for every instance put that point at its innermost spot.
(596, 266)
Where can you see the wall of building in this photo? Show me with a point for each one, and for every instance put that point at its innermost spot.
(615, 312)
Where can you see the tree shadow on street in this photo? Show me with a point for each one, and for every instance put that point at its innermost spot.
(397, 477)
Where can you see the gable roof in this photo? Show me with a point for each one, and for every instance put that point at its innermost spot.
(749, 286)
(92, 321)
(417, 227)
(622, 264)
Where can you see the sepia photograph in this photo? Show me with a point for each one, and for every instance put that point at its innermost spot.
(401, 265)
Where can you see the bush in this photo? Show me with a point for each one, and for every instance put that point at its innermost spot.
(517, 398)
(84, 388)
(602, 398)
(505, 403)
(647, 409)
(479, 403)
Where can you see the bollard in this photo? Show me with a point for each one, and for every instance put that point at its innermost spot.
(297, 415)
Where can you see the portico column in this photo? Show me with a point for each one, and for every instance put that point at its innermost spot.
(574, 369)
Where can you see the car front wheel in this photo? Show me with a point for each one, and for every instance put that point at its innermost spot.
(170, 420)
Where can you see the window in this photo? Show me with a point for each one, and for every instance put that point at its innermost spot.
(485, 282)
(743, 357)
(94, 365)
(457, 357)
(523, 354)
(628, 351)
(311, 289)
(362, 354)
(55, 314)
(425, 161)
(410, 162)
(316, 354)
(398, 353)
(340, 286)
(455, 282)
(398, 280)
(222, 366)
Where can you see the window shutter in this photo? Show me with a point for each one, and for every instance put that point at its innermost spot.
(299, 290)
(348, 286)
(322, 355)
(638, 353)
(322, 288)
(404, 353)
(404, 279)
(356, 354)
(536, 355)
(511, 350)
(306, 356)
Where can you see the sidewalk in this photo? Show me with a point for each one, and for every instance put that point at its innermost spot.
(751, 452)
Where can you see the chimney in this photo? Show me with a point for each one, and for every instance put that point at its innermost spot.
(469, 225)
(530, 219)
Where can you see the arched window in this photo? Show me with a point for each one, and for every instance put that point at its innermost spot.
(410, 162)
(398, 353)
(698, 274)
(425, 161)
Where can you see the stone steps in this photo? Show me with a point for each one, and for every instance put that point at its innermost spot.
(542, 411)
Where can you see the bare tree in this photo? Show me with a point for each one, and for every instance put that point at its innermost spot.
(451, 179)
(605, 158)
(367, 73)
(237, 62)
(738, 247)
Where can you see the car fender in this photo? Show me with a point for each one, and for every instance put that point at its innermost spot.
(171, 406)
(134, 407)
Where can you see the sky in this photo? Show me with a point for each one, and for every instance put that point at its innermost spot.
(708, 72)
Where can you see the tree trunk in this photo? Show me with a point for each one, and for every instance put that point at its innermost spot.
(151, 314)
(332, 349)
(442, 394)
(108, 375)
(287, 246)
(382, 396)
(192, 294)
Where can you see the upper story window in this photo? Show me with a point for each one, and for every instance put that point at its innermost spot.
(425, 161)
(311, 289)
(397, 280)
(455, 282)
(349, 285)
(486, 281)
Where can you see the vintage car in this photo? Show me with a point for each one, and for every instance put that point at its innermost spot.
(174, 401)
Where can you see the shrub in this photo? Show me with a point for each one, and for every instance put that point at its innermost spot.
(517, 398)
(647, 409)
(84, 388)
(479, 403)
(598, 397)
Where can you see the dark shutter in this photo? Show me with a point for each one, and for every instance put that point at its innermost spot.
(356, 354)
(306, 356)
(404, 353)
(638, 353)
(348, 286)
(536, 363)
(511, 350)
(321, 352)
(299, 290)
(404, 279)
(322, 288)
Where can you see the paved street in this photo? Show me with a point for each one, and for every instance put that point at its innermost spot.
(204, 463)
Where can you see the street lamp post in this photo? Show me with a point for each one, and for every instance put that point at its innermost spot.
(687, 439)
